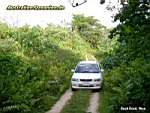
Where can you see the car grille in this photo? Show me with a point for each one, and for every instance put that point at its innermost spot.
(86, 80)
(81, 85)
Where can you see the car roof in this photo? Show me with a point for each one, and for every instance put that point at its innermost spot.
(88, 62)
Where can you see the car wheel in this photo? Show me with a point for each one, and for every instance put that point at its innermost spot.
(96, 90)
(73, 89)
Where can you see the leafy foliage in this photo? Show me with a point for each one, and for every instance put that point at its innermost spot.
(35, 66)
(89, 29)
(127, 76)
(35, 62)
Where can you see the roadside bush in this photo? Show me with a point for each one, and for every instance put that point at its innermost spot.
(127, 67)
(35, 67)
(128, 86)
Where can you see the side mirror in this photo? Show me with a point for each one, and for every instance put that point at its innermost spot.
(72, 70)
(102, 70)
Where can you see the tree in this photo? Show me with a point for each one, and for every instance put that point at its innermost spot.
(89, 29)
(127, 76)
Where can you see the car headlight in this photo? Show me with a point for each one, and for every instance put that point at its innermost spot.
(97, 80)
(75, 79)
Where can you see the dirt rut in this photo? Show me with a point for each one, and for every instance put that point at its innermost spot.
(61, 102)
(94, 103)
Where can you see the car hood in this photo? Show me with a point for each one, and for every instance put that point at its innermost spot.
(87, 75)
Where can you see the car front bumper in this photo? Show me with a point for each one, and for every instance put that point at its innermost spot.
(86, 85)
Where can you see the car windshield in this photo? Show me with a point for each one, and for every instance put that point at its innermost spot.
(87, 68)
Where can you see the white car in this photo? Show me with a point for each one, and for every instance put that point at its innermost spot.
(87, 75)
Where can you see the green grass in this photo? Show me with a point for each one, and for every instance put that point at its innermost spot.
(103, 102)
(79, 102)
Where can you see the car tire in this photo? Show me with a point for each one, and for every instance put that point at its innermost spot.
(73, 89)
(96, 90)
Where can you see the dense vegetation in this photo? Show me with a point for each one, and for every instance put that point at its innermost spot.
(35, 62)
(127, 77)
(35, 66)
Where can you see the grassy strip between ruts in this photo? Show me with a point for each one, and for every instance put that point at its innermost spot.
(103, 102)
(79, 102)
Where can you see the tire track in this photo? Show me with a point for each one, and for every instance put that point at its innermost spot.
(61, 102)
(94, 103)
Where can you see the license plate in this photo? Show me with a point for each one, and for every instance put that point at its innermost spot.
(86, 83)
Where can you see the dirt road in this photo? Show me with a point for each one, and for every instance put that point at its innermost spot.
(61, 102)
(94, 103)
